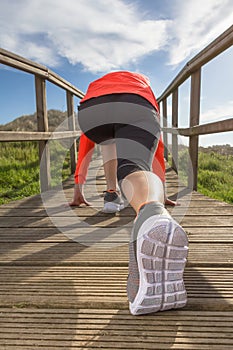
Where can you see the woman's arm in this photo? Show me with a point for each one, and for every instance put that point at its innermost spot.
(86, 148)
(158, 167)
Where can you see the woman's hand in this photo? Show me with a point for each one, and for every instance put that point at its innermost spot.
(171, 202)
(79, 197)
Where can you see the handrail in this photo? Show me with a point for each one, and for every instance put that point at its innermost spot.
(193, 69)
(15, 136)
(42, 135)
(203, 129)
(10, 59)
(220, 44)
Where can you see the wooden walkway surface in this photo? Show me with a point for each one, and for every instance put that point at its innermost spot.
(63, 275)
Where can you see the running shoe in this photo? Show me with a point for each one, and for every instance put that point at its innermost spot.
(157, 256)
(112, 202)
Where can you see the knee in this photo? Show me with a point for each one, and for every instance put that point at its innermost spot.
(127, 168)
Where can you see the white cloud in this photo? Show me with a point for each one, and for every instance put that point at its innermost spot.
(105, 35)
(217, 113)
(196, 23)
(101, 35)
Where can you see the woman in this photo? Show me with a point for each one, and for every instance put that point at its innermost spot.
(120, 108)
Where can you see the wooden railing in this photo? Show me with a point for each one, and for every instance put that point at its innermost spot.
(193, 69)
(43, 135)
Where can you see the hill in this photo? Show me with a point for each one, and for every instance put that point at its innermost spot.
(29, 122)
(226, 150)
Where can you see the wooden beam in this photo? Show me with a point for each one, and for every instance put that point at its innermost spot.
(211, 128)
(72, 127)
(42, 124)
(13, 136)
(165, 140)
(204, 129)
(194, 120)
(175, 125)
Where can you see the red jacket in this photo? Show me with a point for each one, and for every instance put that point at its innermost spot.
(112, 83)
(121, 82)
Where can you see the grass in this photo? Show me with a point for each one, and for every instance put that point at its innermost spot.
(19, 171)
(215, 174)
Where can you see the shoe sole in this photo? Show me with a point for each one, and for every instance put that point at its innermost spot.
(161, 258)
(111, 207)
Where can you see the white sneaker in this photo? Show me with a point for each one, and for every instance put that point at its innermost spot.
(112, 202)
(158, 252)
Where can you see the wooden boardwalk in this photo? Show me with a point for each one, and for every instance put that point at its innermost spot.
(63, 275)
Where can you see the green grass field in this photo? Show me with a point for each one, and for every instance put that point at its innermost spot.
(215, 174)
(19, 171)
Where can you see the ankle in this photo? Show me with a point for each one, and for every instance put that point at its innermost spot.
(153, 203)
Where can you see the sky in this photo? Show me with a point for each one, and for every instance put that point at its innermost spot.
(83, 39)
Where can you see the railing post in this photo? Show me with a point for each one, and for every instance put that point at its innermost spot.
(42, 125)
(175, 125)
(194, 120)
(71, 124)
(165, 141)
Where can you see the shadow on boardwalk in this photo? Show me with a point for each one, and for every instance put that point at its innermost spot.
(64, 285)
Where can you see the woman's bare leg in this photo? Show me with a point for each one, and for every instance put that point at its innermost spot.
(110, 165)
(142, 187)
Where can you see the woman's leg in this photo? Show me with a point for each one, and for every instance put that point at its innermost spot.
(158, 245)
(112, 199)
(142, 187)
(110, 165)
(136, 146)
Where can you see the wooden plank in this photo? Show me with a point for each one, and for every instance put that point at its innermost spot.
(114, 329)
(214, 234)
(63, 211)
(197, 201)
(26, 235)
(78, 222)
(100, 252)
(201, 210)
(96, 287)
(54, 235)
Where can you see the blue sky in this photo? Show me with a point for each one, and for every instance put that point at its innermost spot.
(83, 39)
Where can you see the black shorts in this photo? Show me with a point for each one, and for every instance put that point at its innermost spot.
(130, 121)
